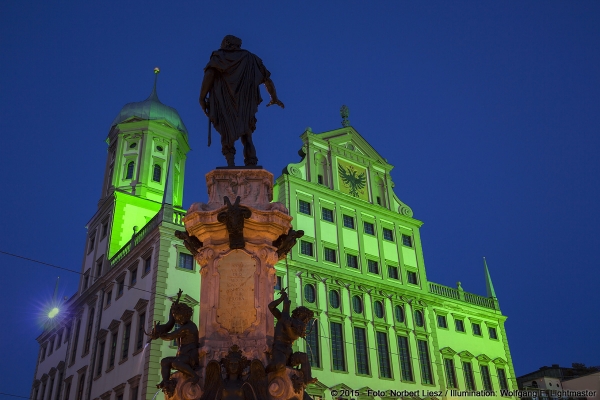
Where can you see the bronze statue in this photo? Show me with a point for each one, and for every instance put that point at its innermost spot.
(186, 337)
(233, 218)
(234, 387)
(232, 78)
(287, 330)
(190, 242)
(285, 242)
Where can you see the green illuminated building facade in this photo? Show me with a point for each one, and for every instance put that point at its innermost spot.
(380, 324)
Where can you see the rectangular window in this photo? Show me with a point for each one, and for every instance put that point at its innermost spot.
(349, 221)
(134, 393)
(412, 277)
(50, 346)
(113, 349)
(59, 340)
(104, 229)
(352, 261)
(502, 379)
(469, 377)
(320, 179)
(485, 377)
(407, 240)
(388, 234)
(450, 373)
(147, 265)
(186, 261)
(43, 356)
(68, 391)
(369, 228)
(304, 207)
(75, 340)
(98, 268)
(125, 345)
(405, 361)
(337, 347)
(327, 214)
(373, 266)
(383, 352)
(120, 286)
(493, 333)
(140, 332)
(80, 387)
(312, 341)
(60, 380)
(88, 334)
(86, 281)
(277, 283)
(108, 297)
(441, 321)
(306, 248)
(424, 362)
(360, 342)
(92, 243)
(393, 272)
(133, 277)
(100, 358)
(460, 325)
(476, 329)
(330, 255)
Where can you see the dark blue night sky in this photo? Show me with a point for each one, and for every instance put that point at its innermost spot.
(488, 110)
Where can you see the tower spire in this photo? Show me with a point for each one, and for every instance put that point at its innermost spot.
(489, 286)
(154, 95)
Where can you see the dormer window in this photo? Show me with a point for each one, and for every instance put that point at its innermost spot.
(156, 173)
(129, 174)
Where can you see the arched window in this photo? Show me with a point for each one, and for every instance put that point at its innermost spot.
(129, 174)
(357, 304)
(419, 318)
(310, 293)
(156, 173)
(334, 298)
(379, 309)
(399, 314)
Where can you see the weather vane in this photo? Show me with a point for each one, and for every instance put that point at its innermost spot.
(345, 113)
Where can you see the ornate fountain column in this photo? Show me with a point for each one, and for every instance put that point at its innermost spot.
(238, 274)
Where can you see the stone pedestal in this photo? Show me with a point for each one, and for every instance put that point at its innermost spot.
(237, 285)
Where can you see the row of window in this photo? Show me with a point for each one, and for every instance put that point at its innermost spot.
(404, 357)
(41, 394)
(330, 255)
(156, 171)
(327, 214)
(92, 236)
(459, 326)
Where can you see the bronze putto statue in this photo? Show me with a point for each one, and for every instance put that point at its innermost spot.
(232, 78)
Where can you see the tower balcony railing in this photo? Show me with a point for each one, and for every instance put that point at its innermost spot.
(138, 237)
(459, 294)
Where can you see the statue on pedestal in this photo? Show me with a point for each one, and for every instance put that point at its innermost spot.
(232, 77)
(287, 330)
(186, 360)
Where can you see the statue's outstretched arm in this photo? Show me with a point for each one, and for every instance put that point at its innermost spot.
(177, 333)
(273, 307)
(270, 86)
(207, 84)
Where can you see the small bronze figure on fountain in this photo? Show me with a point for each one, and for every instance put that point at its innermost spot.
(233, 218)
(192, 243)
(232, 78)
(186, 360)
(287, 330)
(285, 242)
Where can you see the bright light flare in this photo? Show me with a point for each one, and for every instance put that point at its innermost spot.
(53, 313)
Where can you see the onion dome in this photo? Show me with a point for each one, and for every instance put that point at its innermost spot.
(151, 109)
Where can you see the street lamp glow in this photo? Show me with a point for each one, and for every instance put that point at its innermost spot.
(53, 313)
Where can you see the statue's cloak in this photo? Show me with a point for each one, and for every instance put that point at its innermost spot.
(235, 95)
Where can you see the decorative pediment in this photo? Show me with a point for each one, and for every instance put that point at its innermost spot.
(127, 315)
(61, 366)
(135, 380)
(119, 388)
(447, 351)
(317, 388)
(52, 372)
(102, 334)
(141, 305)
(114, 325)
(82, 370)
(106, 395)
(341, 387)
(466, 355)
(483, 358)
(499, 361)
